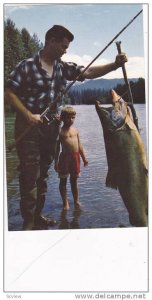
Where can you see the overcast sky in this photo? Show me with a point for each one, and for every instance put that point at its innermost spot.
(93, 25)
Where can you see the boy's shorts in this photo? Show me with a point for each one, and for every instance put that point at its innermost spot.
(69, 164)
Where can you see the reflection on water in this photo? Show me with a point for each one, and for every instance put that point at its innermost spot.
(102, 207)
(66, 222)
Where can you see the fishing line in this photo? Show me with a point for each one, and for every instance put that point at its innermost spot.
(57, 99)
(101, 52)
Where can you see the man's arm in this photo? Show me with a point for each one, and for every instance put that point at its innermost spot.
(101, 70)
(15, 101)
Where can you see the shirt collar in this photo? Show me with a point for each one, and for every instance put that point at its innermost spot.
(37, 58)
(38, 61)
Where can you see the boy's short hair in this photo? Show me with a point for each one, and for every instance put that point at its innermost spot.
(67, 111)
(59, 32)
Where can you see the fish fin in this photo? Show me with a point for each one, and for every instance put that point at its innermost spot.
(130, 123)
(146, 170)
(111, 181)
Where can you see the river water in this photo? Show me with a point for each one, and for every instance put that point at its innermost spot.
(102, 207)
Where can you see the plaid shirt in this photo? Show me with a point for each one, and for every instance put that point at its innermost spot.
(34, 87)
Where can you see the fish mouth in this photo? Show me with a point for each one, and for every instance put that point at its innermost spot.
(114, 116)
(115, 97)
(99, 108)
(97, 104)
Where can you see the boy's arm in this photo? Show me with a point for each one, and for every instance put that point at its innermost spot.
(82, 153)
(57, 151)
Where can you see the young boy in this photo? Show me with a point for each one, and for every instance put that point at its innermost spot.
(68, 162)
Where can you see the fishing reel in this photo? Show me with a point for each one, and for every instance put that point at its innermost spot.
(49, 117)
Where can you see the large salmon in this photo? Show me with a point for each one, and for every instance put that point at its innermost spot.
(126, 158)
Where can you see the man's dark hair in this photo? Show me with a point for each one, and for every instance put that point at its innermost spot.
(59, 32)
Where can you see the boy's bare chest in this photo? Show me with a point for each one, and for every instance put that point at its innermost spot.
(69, 136)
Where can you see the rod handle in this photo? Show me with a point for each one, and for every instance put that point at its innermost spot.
(118, 44)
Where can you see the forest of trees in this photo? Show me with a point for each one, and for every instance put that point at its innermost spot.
(19, 44)
(89, 96)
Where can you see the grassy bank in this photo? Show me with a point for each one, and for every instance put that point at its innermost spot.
(10, 156)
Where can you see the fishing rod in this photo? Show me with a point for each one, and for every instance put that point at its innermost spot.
(118, 44)
(101, 52)
(48, 109)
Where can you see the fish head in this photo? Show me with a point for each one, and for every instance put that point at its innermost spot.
(112, 117)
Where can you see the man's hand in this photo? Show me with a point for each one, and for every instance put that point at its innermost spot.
(120, 60)
(33, 119)
(101, 70)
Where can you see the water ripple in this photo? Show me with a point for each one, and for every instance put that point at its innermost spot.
(101, 207)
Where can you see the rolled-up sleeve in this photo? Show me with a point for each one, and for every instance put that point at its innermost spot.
(16, 77)
(72, 71)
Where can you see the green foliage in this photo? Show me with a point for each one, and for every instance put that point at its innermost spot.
(137, 89)
(18, 45)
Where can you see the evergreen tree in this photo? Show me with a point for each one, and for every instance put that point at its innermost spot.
(137, 89)
(26, 39)
(18, 45)
(7, 57)
(13, 42)
(35, 43)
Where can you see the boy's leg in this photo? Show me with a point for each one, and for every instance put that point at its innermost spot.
(75, 192)
(63, 192)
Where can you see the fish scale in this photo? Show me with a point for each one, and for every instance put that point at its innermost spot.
(126, 158)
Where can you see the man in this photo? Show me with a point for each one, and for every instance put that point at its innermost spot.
(33, 84)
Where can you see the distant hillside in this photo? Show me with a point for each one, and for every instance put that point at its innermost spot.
(88, 91)
(101, 83)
